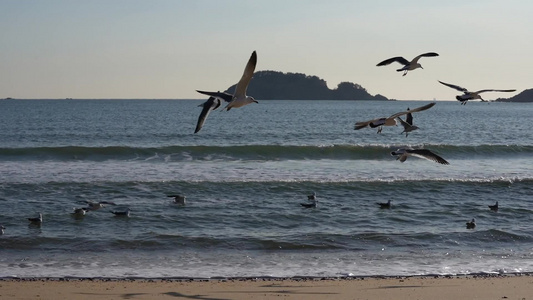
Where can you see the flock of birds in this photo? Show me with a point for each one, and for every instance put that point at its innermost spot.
(240, 99)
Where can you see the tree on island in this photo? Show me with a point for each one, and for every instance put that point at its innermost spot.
(274, 85)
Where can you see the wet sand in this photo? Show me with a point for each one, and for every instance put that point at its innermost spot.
(486, 287)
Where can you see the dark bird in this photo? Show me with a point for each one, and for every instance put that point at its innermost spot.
(36, 221)
(387, 204)
(494, 207)
(471, 224)
(309, 205)
(407, 124)
(407, 65)
(312, 197)
(239, 97)
(178, 199)
(211, 104)
(467, 95)
(390, 121)
(403, 153)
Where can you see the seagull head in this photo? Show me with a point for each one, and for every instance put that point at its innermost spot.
(251, 99)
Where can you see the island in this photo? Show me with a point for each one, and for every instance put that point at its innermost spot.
(275, 85)
(525, 96)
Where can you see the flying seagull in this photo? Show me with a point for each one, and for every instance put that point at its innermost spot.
(407, 65)
(407, 124)
(390, 121)
(403, 153)
(211, 104)
(239, 98)
(494, 207)
(467, 95)
(178, 199)
(471, 224)
(387, 204)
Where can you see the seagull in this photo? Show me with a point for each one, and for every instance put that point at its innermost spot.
(387, 204)
(2, 229)
(312, 197)
(494, 207)
(97, 205)
(79, 212)
(403, 153)
(178, 199)
(467, 95)
(471, 224)
(121, 213)
(310, 205)
(36, 221)
(239, 98)
(390, 121)
(407, 124)
(408, 65)
(211, 104)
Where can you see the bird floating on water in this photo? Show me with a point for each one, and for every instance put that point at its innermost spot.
(467, 95)
(239, 97)
(494, 207)
(403, 153)
(387, 204)
(407, 65)
(312, 197)
(313, 201)
(91, 205)
(37, 220)
(178, 199)
(121, 213)
(471, 224)
(79, 212)
(2, 228)
(390, 121)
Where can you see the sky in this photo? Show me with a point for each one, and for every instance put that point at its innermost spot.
(163, 49)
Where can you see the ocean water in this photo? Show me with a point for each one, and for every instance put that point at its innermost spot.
(246, 173)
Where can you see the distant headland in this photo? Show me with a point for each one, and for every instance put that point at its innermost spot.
(274, 85)
(524, 96)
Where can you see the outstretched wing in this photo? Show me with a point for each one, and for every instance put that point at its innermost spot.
(482, 91)
(220, 95)
(421, 108)
(429, 54)
(242, 85)
(424, 153)
(211, 104)
(453, 86)
(399, 59)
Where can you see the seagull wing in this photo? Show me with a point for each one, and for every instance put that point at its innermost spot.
(220, 95)
(421, 108)
(242, 85)
(211, 104)
(453, 86)
(429, 54)
(409, 118)
(424, 153)
(372, 123)
(399, 59)
(483, 91)
(404, 123)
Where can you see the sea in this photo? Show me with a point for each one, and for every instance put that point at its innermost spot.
(245, 176)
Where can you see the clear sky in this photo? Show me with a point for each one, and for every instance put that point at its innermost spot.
(168, 49)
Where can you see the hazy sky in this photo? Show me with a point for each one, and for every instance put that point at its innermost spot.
(168, 49)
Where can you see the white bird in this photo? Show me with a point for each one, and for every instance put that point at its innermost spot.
(467, 95)
(407, 65)
(407, 124)
(211, 104)
(121, 213)
(389, 121)
(403, 153)
(471, 224)
(36, 221)
(178, 199)
(239, 97)
(97, 205)
(2, 229)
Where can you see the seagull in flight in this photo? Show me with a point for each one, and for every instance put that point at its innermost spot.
(407, 124)
(403, 153)
(467, 95)
(407, 65)
(390, 121)
(239, 98)
(211, 104)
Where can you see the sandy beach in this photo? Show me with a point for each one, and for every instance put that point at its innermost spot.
(438, 287)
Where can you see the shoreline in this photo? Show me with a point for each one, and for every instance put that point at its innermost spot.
(486, 286)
